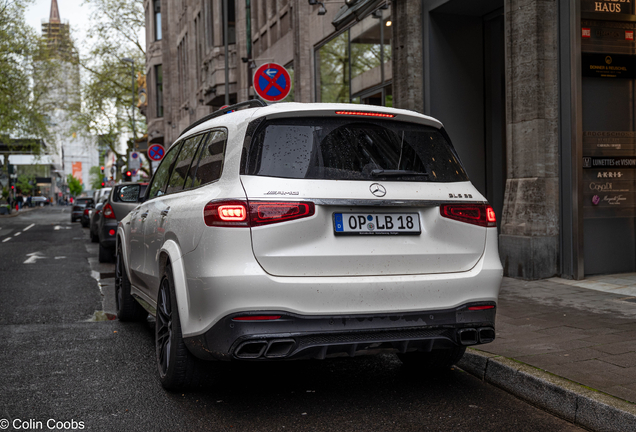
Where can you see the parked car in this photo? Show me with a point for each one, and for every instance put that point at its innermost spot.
(39, 201)
(78, 207)
(310, 231)
(94, 217)
(121, 199)
(100, 194)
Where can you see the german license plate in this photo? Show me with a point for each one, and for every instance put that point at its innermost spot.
(376, 223)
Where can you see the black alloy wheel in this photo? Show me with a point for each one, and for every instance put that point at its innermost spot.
(178, 368)
(164, 328)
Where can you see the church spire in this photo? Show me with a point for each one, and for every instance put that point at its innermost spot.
(55, 12)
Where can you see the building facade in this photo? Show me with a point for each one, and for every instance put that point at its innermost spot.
(537, 96)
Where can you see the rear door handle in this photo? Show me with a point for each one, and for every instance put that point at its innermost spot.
(144, 215)
(165, 211)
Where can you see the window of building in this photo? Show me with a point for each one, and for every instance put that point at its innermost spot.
(231, 22)
(157, 21)
(355, 66)
(209, 28)
(159, 89)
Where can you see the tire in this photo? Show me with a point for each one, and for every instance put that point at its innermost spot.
(127, 307)
(94, 238)
(84, 224)
(105, 255)
(436, 360)
(178, 368)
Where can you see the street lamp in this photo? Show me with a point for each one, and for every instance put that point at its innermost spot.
(132, 64)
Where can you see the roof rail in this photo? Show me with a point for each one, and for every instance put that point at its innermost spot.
(252, 103)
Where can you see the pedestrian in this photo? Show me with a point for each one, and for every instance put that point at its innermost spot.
(29, 201)
(20, 201)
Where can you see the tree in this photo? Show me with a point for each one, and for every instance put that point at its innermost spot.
(96, 177)
(74, 185)
(107, 93)
(20, 103)
(25, 183)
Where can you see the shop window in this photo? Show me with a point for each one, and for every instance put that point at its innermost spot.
(355, 65)
(332, 64)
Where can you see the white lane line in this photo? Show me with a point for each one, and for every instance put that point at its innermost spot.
(29, 227)
(7, 239)
(60, 257)
(17, 234)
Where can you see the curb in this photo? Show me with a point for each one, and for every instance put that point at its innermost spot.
(571, 401)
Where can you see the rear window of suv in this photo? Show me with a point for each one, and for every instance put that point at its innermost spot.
(331, 148)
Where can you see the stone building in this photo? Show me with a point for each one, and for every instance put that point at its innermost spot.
(537, 95)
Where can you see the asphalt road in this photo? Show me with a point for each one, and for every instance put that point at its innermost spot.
(58, 364)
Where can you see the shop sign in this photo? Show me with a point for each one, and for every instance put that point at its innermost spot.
(609, 162)
(608, 8)
(609, 65)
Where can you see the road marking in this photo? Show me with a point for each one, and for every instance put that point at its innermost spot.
(57, 227)
(60, 257)
(17, 234)
(6, 240)
(33, 257)
(29, 227)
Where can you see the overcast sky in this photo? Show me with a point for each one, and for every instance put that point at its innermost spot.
(71, 11)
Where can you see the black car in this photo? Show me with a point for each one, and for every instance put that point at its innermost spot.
(121, 200)
(78, 208)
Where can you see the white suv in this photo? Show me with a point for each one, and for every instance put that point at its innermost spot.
(308, 231)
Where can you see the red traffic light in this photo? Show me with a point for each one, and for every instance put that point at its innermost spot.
(128, 173)
(102, 168)
(12, 187)
(103, 184)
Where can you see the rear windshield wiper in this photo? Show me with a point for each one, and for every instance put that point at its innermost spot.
(396, 173)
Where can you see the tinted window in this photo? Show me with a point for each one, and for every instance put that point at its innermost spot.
(182, 165)
(211, 159)
(348, 149)
(160, 178)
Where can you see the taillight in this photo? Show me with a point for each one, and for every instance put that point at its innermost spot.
(85, 212)
(226, 214)
(265, 213)
(476, 214)
(365, 113)
(255, 213)
(108, 212)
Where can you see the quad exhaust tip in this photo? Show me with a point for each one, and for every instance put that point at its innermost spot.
(471, 336)
(277, 348)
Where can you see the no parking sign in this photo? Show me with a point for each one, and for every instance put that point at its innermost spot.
(272, 82)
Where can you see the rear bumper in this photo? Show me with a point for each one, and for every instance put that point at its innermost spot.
(105, 239)
(295, 336)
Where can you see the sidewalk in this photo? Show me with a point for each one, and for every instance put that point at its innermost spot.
(582, 331)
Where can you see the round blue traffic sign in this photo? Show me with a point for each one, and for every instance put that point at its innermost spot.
(272, 82)
(156, 152)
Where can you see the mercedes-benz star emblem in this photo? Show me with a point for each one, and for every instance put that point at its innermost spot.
(377, 189)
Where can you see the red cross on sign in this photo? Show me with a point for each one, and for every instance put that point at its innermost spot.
(272, 82)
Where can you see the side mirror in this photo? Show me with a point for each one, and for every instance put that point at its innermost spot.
(129, 193)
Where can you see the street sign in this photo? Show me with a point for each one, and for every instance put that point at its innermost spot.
(272, 82)
(156, 152)
(134, 161)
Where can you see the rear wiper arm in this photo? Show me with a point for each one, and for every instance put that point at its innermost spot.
(396, 173)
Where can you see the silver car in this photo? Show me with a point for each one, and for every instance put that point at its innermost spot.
(310, 231)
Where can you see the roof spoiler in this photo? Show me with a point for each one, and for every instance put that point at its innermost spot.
(253, 103)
